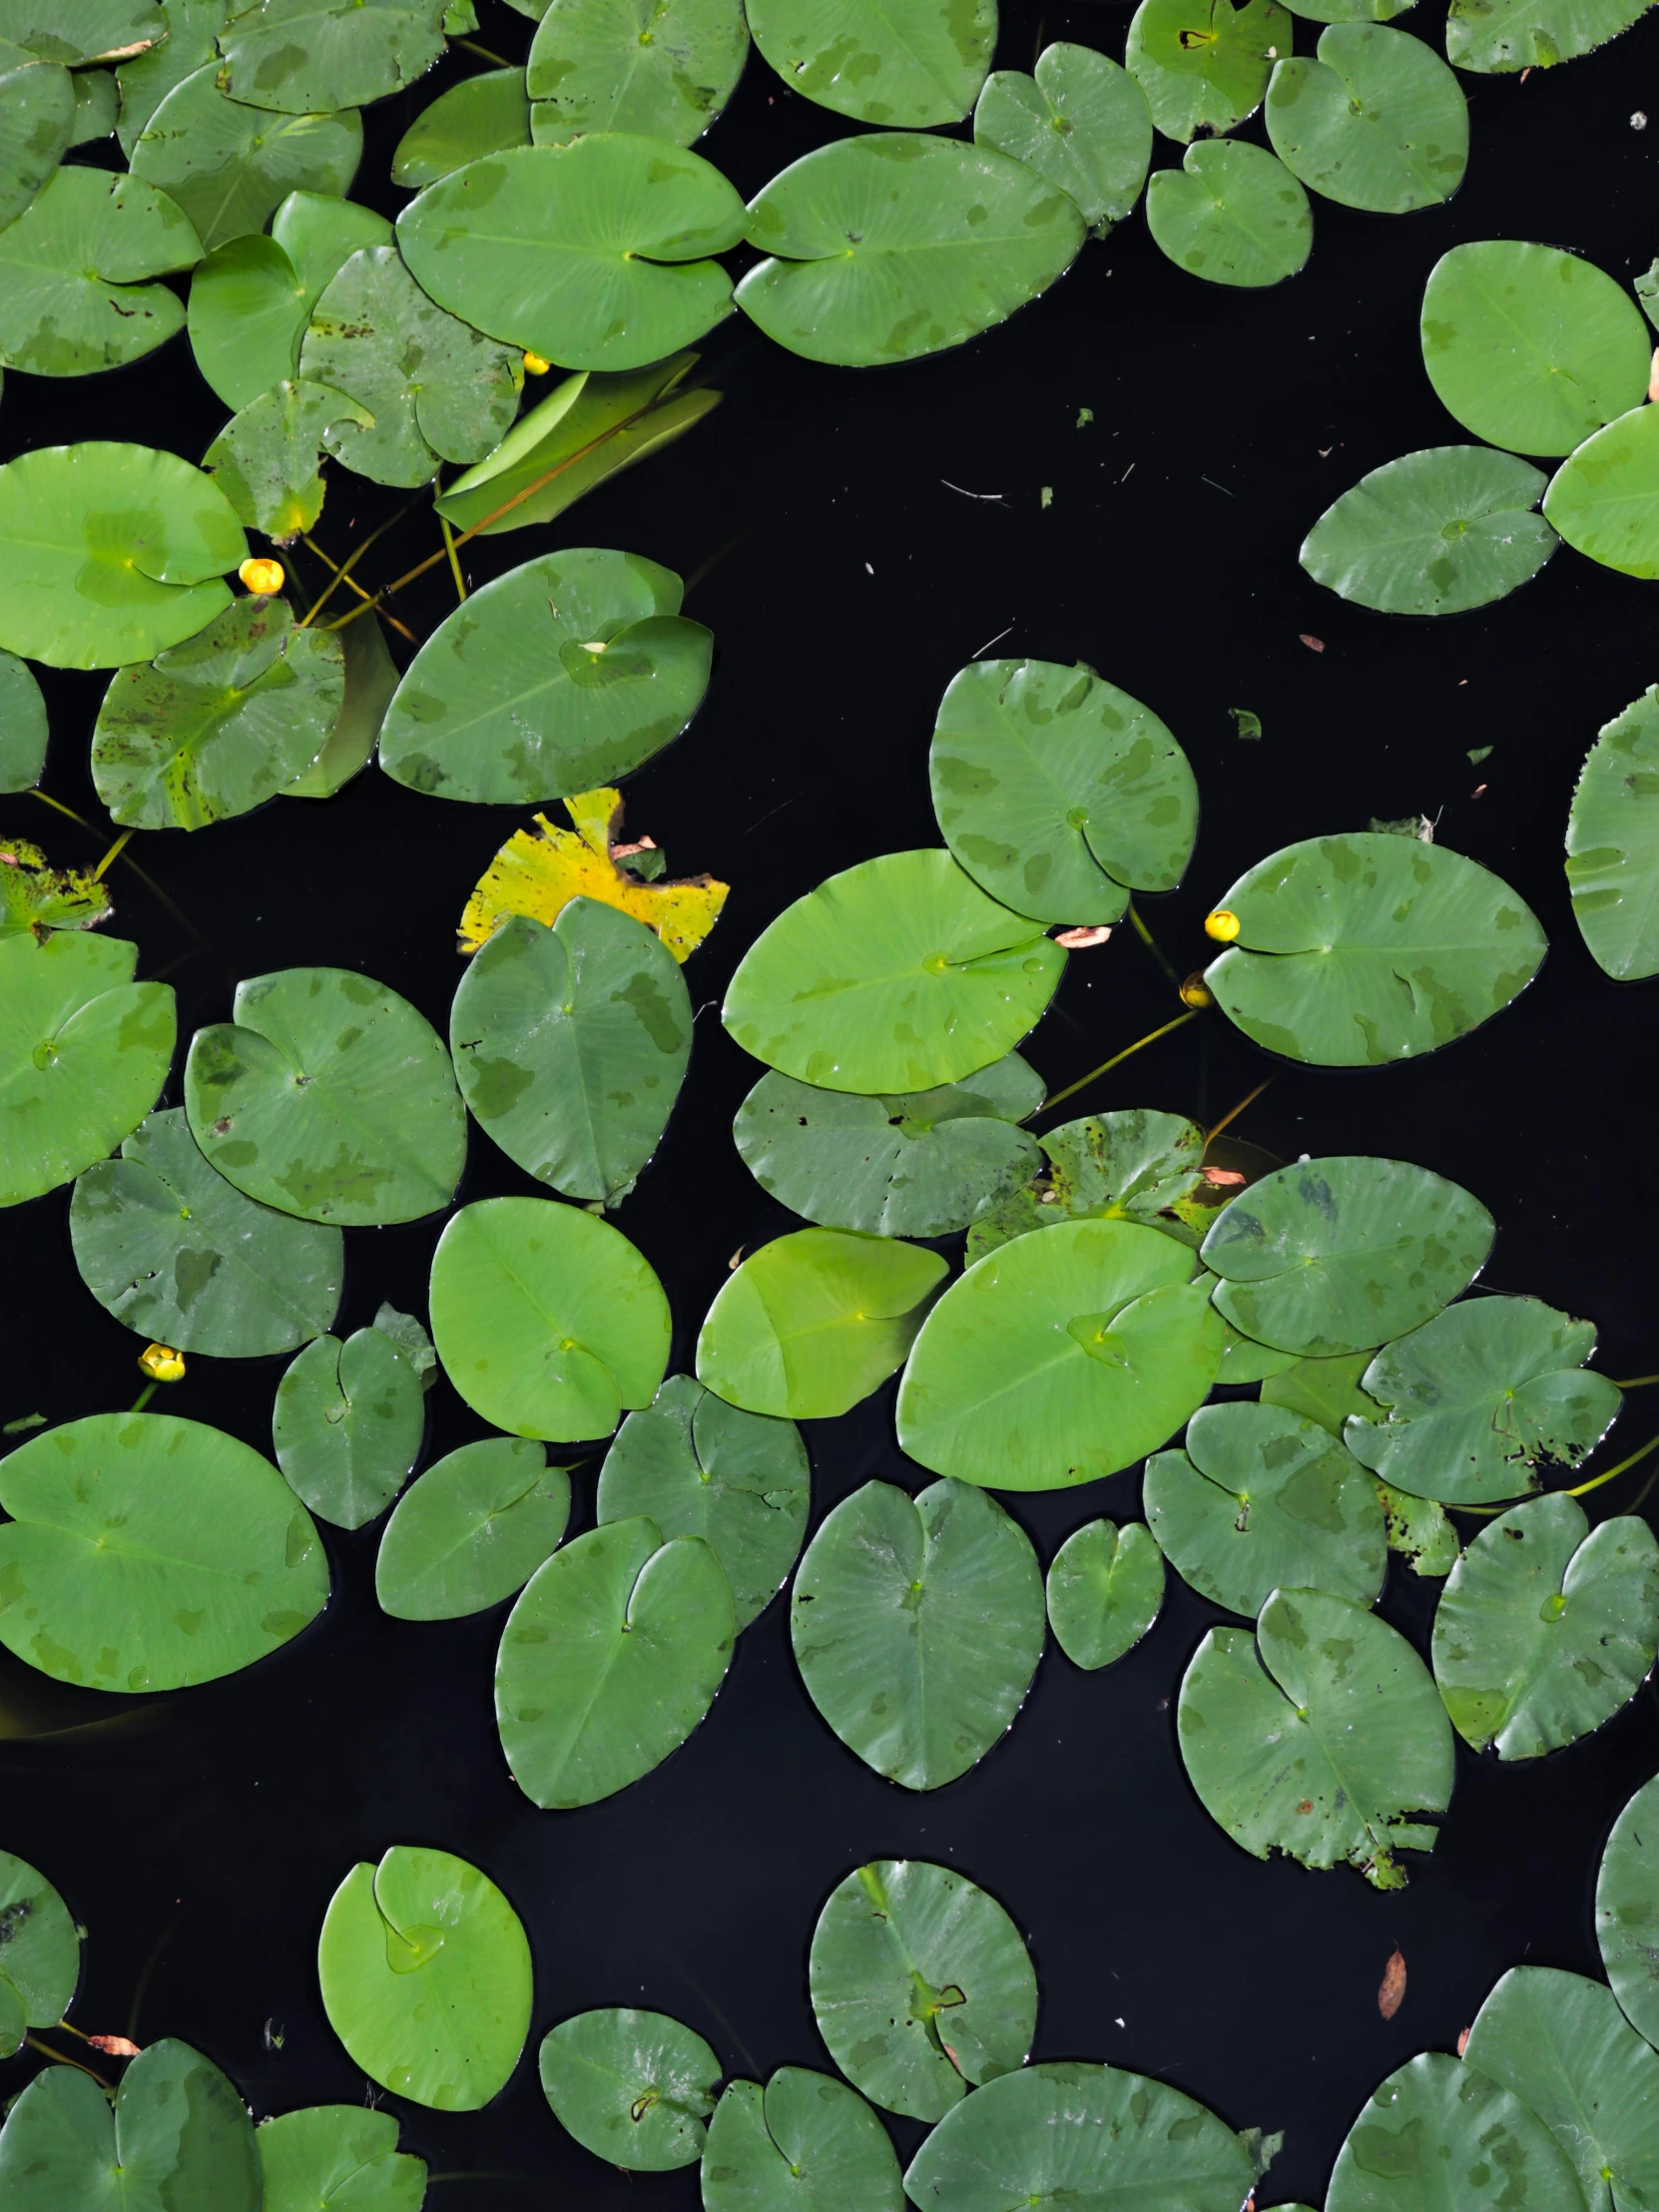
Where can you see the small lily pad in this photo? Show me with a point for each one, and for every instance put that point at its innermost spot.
(1431, 2138)
(1613, 844)
(1130, 1165)
(471, 1531)
(481, 115)
(903, 65)
(1204, 64)
(73, 268)
(1079, 120)
(1375, 122)
(1627, 1910)
(266, 458)
(299, 55)
(1419, 1531)
(179, 2134)
(807, 2139)
(229, 165)
(40, 1954)
(338, 2158)
(1105, 1589)
(23, 731)
(1231, 213)
(634, 2088)
(348, 1425)
(662, 68)
(1434, 533)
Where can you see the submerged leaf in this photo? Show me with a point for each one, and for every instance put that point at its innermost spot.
(664, 67)
(1434, 533)
(1131, 1164)
(229, 165)
(634, 2088)
(1613, 844)
(471, 1531)
(1231, 213)
(266, 458)
(1079, 120)
(147, 77)
(1105, 1589)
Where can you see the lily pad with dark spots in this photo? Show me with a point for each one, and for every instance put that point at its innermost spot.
(1129, 1164)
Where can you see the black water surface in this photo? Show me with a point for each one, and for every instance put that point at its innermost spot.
(200, 1836)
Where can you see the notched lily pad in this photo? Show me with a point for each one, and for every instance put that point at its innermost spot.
(338, 2156)
(662, 68)
(348, 1425)
(299, 55)
(1105, 1589)
(73, 268)
(1231, 213)
(229, 165)
(1375, 122)
(1204, 64)
(1078, 120)
(179, 2130)
(266, 459)
(807, 2129)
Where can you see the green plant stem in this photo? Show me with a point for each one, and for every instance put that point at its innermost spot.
(1233, 1114)
(1150, 941)
(1634, 1381)
(1595, 1482)
(34, 2042)
(454, 557)
(113, 853)
(484, 53)
(344, 571)
(1179, 1022)
(352, 584)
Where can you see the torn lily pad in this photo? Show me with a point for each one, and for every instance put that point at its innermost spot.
(1105, 1589)
(348, 1425)
(37, 898)
(1231, 213)
(74, 295)
(1434, 533)
(1129, 1164)
(633, 2087)
(266, 459)
(1079, 120)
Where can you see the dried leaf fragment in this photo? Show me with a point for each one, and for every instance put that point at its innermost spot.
(40, 898)
(1082, 940)
(116, 2046)
(1392, 1996)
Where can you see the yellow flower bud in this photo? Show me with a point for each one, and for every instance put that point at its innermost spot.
(162, 1364)
(1222, 925)
(1196, 992)
(534, 365)
(261, 577)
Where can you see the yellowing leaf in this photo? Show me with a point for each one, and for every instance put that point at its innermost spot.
(539, 872)
(40, 898)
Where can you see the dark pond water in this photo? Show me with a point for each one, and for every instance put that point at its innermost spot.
(199, 1837)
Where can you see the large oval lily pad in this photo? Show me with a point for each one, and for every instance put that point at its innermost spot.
(1440, 2136)
(300, 55)
(1059, 1359)
(40, 1954)
(73, 294)
(1497, 36)
(179, 2135)
(1375, 122)
(338, 2158)
(609, 1660)
(471, 1531)
(633, 2087)
(807, 2143)
(1129, 1164)
(1079, 120)
(348, 1424)
(1613, 844)
(662, 68)
(1627, 1911)
(917, 1625)
(1231, 213)
(1105, 1589)
(1604, 498)
(1358, 949)
(229, 165)
(1434, 533)
(146, 1552)
(1329, 1745)
(1204, 64)
(903, 65)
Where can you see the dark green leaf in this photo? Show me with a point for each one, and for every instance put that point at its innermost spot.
(23, 730)
(1499, 35)
(808, 2143)
(906, 64)
(180, 2136)
(193, 28)
(1132, 1165)
(76, 31)
(471, 1531)
(37, 121)
(662, 68)
(266, 459)
(1204, 64)
(72, 295)
(1376, 122)
(1326, 1391)
(40, 1954)
(1440, 2136)
(300, 55)
(371, 680)
(338, 2158)
(1613, 844)
(1627, 1911)
(229, 165)
(481, 115)
(1604, 498)
(348, 1425)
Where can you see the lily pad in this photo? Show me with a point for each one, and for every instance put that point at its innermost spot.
(912, 1164)
(814, 1321)
(917, 1625)
(481, 115)
(559, 676)
(1326, 1391)
(1058, 793)
(471, 1531)
(146, 1552)
(807, 2143)
(250, 301)
(23, 731)
(1480, 1398)
(1375, 122)
(1231, 213)
(111, 552)
(662, 68)
(40, 1954)
(1105, 1589)
(1204, 64)
(921, 1986)
(1627, 1911)
(950, 241)
(338, 2158)
(547, 1321)
(1434, 533)
(1059, 1359)
(634, 2088)
(696, 1466)
(1050, 2133)
(301, 55)
(427, 1977)
(1355, 950)
(904, 65)
(571, 1044)
(1130, 1165)
(1530, 348)
(371, 680)
(84, 1052)
(97, 103)
(37, 121)
(592, 255)
(1495, 36)
(217, 724)
(229, 165)
(1329, 1745)
(266, 458)
(348, 1425)
(179, 2134)
(148, 76)
(897, 974)
(610, 1659)
(182, 1257)
(1079, 120)
(72, 267)
(76, 31)
(1440, 2136)
(1544, 1630)
(1613, 844)
(1604, 499)
(1419, 1531)
(1260, 1501)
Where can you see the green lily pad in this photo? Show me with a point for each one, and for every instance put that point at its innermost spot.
(951, 239)
(662, 68)
(1612, 842)
(338, 2158)
(97, 103)
(229, 165)
(1244, 1360)
(1627, 1911)
(481, 115)
(327, 1096)
(1326, 1391)
(1079, 120)
(912, 1164)
(634, 2088)
(1329, 1745)
(23, 731)
(1131, 1164)
(1604, 499)
(1052, 2133)
(37, 121)
(1419, 1531)
(471, 1531)
(1440, 2136)
(610, 1659)
(547, 1321)
(897, 974)
(1204, 64)
(1530, 348)
(571, 1044)
(217, 724)
(251, 300)
(427, 1977)
(1544, 1630)
(297, 56)
(1105, 1589)
(72, 295)
(1434, 533)
(1494, 36)
(1059, 1359)
(807, 2143)
(109, 552)
(266, 459)
(1355, 950)
(814, 1321)
(920, 1984)
(145, 79)
(1231, 213)
(557, 678)
(917, 1625)
(1058, 793)
(903, 65)
(436, 388)
(40, 1954)
(592, 255)
(1376, 121)
(1481, 1398)
(1333, 1256)
(182, 1257)
(348, 1425)
(146, 1552)
(697, 1466)
(1260, 1501)
(84, 1052)
(76, 31)
(371, 680)
(179, 2135)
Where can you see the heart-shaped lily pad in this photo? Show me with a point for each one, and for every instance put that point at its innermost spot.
(229, 165)
(1079, 120)
(251, 300)
(1204, 64)
(1613, 844)
(1376, 121)
(1105, 1589)
(330, 2156)
(179, 2134)
(805, 2139)
(348, 1425)
(1434, 533)
(662, 68)
(633, 2087)
(1231, 213)
(40, 1954)
(73, 268)
(471, 1531)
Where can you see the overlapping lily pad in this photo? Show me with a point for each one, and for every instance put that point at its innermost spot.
(636, 2088)
(36, 898)
(1495, 36)
(1128, 1165)
(40, 1954)
(348, 1425)
(371, 680)
(37, 121)
(1204, 64)
(145, 78)
(73, 268)
(1358, 949)
(1375, 122)
(97, 103)
(662, 68)
(1105, 1589)
(266, 461)
(610, 1659)
(76, 31)
(301, 55)
(917, 1625)
(481, 115)
(949, 240)
(902, 66)
(1331, 1744)
(23, 730)
(1434, 533)
(1059, 1359)
(471, 1531)
(1604, 498)
(1440, 2134)
(179, 2134)
(1079, 120)
(1231, 213)
(805, 2139)
(1613, 844)
(1627, 1911)
(331, 2157)
(229, 165)
(696, 1466)
(250, 301)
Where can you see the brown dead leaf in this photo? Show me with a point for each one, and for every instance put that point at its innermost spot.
(1462, 2042)
(1314, 645)
(1392, 1996)
(1082, 940)
(1653, 377)
(116, 2046)
(1224, 1179)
